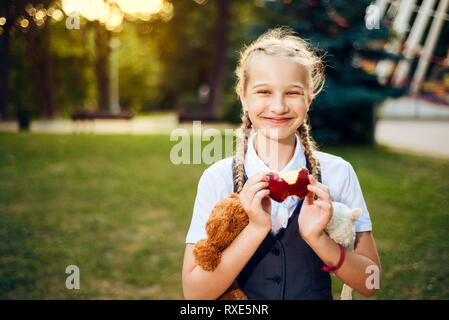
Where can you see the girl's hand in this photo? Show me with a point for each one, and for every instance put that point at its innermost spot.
(255, 199)
(315, 214)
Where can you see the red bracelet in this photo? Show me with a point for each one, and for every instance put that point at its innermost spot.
(340, 262)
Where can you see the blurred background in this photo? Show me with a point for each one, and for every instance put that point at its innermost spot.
(90, 91)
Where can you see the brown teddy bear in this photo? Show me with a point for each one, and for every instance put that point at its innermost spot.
(226, 221)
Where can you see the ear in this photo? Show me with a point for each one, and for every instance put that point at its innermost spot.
(309, 98)
(243, 100)
(355, 213)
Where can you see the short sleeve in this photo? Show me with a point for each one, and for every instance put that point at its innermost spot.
(214, 185)
(351, 195)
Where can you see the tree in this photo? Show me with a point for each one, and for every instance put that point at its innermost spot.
(38, 38)
(345, 110)
(34, 27)
(184, 50)
(102, 39)
(109, 22)
(7, 13)
(220, 58)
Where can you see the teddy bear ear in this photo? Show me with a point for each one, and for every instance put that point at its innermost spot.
(355, 213)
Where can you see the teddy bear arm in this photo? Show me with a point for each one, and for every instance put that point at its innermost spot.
(227, 220)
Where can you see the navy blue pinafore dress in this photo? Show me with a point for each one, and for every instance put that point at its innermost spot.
(284, 267)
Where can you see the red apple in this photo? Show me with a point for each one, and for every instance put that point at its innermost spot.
(291, 183)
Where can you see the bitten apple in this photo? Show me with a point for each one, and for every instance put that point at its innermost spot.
(291, 183)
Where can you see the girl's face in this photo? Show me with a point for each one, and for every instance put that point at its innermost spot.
(275, 95)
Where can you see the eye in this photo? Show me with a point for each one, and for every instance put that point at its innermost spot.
(294, 93)
(263, 92)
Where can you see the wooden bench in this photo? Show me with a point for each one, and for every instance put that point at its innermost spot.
(196, 116)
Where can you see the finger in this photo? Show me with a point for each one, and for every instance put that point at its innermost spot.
(310, 198)
(325, 205)
(312, 180)
(259, 176)
(258, 186)
(321, 191)
(326, 211)
(315, 182)
(261, 194)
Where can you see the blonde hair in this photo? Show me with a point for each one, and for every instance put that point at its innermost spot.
(284, 42)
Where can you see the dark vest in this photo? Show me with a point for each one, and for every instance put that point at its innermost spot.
(284, 266)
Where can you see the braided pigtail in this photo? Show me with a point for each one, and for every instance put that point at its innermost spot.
(242, 146)
(308, 145)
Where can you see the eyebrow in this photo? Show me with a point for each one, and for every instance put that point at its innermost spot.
(266, 84)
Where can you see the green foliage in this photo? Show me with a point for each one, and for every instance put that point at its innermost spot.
(163, 63)
(140, 67)
(184, 50)
(73, 67)
(241, 32)
(344, 110)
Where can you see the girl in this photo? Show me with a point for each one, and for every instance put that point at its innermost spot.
(280, 253)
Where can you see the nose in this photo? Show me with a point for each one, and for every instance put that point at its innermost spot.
(278, 104)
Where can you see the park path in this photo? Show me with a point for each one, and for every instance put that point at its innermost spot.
(421, 136)
(414, 124)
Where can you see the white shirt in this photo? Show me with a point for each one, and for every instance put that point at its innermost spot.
(216, 184)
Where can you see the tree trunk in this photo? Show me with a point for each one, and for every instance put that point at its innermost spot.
(4, 70)
(38, 47)
(102, 65)
(49, 79)
(219, 61)
(4, 59)
(34, 56)
(41, 63)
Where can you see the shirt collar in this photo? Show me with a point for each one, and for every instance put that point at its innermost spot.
(253, 163)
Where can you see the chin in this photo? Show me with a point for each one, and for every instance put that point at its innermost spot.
(277, 134)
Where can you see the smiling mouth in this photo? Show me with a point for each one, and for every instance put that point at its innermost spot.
(277, 120)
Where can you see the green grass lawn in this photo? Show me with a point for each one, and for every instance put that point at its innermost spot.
(115, 206)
